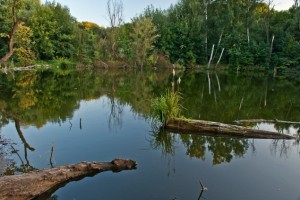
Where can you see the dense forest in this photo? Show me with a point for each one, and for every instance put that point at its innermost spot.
(248, 34)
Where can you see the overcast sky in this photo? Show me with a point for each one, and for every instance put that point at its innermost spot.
(95, 10)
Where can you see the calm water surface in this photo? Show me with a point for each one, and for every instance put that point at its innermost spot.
(101, 115)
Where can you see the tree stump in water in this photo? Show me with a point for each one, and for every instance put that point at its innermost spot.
(38, 184)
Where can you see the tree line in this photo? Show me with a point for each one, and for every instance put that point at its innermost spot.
(237, 33)
(242, 33)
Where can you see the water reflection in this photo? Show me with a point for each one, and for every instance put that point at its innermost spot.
(25, 166)
(278, 125)
(41, 97)
(5, 162)
(282, 148)
(222, 149)
(8, 165)
(37, 98)
(77, 113)
(115, 115)
(231, 97)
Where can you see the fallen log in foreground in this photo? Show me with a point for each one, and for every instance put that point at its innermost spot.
(36, 184)
(216, 128)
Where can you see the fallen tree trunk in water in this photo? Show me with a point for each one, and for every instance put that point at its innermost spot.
(216, 128)
(28, 68)
(38, 184)
(274, 121)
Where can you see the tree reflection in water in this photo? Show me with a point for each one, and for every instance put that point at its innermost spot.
(37, 98)
(223, 149)
(115, 115)
(281, 147)
(5, 162)
(8, 165)
(166, 141)
(26, 166)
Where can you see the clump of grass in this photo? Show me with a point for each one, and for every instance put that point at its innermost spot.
(166, 107)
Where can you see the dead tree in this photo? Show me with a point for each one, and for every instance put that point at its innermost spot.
(115, 18)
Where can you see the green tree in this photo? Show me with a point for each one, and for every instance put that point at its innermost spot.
(143, 36)
(88, 37)
(12, 13)
(53, 31)
(124, 41)
(43, 26)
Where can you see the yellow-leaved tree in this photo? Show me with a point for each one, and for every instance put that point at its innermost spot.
(23, 53)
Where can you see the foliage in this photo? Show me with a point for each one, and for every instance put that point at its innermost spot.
(12, 13)
(166, 107)
(63, 64)
(143, 39)
(243, 28)
(88, 37)
(90, 26)
(23, 44)
(124, 42)
(53, 29)
(187, 31)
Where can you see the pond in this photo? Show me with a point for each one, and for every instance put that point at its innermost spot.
(105, 114)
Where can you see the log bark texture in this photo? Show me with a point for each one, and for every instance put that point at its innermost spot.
(215, 128)
(35, 184)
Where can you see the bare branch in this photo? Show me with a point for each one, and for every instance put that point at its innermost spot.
(115, 12)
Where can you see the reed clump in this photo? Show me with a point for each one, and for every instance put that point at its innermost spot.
(166, 107)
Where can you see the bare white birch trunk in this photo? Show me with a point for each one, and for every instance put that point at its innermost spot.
(211, 55)
(220, 57)
(209, 83)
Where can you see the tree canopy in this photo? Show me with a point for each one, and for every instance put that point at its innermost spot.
(248, 34)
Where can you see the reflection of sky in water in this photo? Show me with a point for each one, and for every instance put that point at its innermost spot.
(268, 169)
(270, 127)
